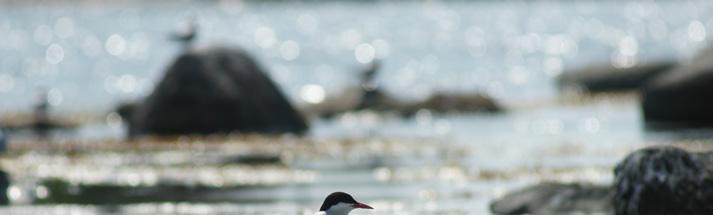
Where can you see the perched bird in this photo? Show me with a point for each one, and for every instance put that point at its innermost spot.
(340, 203)
(187, 33)
(372, 95)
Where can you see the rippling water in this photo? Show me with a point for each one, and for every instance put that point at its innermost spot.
(90, 56)
(428, 165)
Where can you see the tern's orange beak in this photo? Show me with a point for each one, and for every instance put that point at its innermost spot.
(361, 205)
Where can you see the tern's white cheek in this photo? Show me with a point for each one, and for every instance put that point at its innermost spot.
(340, 209)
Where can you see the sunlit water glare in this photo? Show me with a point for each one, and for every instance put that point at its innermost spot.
(91, 56)
(96, 55)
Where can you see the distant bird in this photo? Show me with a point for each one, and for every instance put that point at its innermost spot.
(368, 76)
(340, 203)
(42, 107)
(42, 121)
(371, 93)
(187, 33)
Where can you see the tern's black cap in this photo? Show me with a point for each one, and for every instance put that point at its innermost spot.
(336, 198)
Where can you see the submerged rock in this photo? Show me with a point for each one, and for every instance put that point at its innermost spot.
(370, 96)
(216, 90)
(607, 78)
(458, 102)
(650, 181)
(383, 102)
(555, 198)
(12, 123)
(682, 97)
(62, 192)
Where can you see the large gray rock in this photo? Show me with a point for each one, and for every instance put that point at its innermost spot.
(215, 90)
(607, 78)
(682, 97)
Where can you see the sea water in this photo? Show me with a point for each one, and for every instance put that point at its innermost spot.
(91, 56)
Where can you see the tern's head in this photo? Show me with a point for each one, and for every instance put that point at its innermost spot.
(341, 203)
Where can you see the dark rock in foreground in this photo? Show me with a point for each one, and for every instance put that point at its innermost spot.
(217, 90)
(650, 181)
(663, 181)
(607, 78)
(4, 185)
(682, 97)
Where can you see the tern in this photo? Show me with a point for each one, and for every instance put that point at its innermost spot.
(340, 203)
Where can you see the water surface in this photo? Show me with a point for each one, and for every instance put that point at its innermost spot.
(92, 56)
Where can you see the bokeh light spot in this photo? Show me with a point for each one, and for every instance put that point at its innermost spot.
(115, 45)
(312, 93)
(54, 54)
(364, 53)
(265, 37)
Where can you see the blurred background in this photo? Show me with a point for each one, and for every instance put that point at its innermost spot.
(265, 107)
